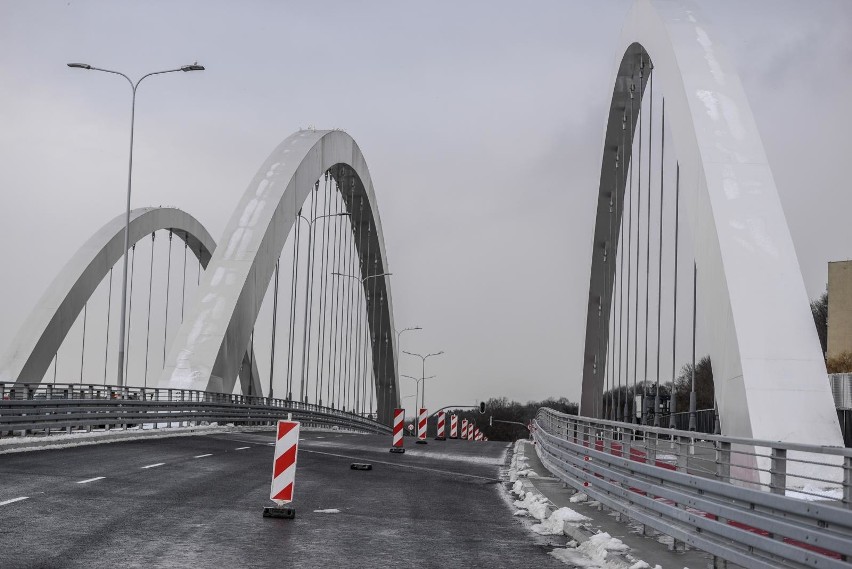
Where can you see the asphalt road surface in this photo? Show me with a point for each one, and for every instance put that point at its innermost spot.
(197, 502)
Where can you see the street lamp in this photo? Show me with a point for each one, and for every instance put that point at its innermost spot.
(398, 334)
(417, 381)
(423, 372)
(309, 297)
(133, 86)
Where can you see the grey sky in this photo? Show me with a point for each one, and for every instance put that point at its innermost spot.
(481, 123)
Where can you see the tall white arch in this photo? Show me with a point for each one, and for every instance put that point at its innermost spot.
(767, 364)
(34, 346)
(205, 353)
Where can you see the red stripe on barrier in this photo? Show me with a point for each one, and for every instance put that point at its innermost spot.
(285, 494)
(285, 460)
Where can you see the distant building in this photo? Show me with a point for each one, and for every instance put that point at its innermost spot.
(839, 308)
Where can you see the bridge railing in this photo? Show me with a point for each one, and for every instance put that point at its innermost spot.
(50, 408)
(697, 488)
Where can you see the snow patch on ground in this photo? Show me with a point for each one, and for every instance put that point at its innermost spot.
(592, 553)
(327, 511)
(554, 524)
(578, 498)
(536, 505)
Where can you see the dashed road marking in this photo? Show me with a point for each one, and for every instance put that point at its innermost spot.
(153, 465)
(241, 448)
(203, 455)
(13, 500)
(95, 479)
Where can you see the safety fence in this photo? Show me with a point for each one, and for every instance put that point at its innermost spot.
(755, 503)
(27, 409)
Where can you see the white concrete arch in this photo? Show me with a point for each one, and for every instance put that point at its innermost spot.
(769, 373)
(34, 346)
(216, 330)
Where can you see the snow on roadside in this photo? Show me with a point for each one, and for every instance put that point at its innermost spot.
(555, 524)
(592, 553)
(535, 504)
(578, 498)
(327, 511)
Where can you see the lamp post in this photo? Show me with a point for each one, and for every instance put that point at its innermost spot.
(417, 381)
(423, 372)
(133, 86)
(308, 298)
(398, 334)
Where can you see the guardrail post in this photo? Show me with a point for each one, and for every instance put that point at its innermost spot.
(778, 471)
(723, 461)
(847, 481)
(682, 454)
(650, 448)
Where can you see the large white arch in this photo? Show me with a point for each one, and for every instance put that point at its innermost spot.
(34, 346)
(205, 353)
(768, 368)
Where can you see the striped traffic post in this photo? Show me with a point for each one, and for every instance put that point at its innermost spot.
(398, 420)
(470, 432)
(464, 429)
(477, 436)
(442, 417)
(284, 470)
(454, 426)
(422, 419)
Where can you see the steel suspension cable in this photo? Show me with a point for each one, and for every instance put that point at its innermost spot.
(359, 400)
(129, 314)
(369, 327)
(672, 398)
(168, 285)
(83, 348)
(274, 328)
(660, 257)
(306, 322)
(648, 223)
(109, 309)
(294, 278)
(148, 318)
(638, 243)
(350, 305)
(334, 380)
(622, 411)
(323, 277)
(183, 286)
(692, 395)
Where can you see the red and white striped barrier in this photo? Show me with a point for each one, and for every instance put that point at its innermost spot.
(421, 425)
(454, 426)
(477, 435)
(284, 465)
(464, 429)
(470, 432)
(442, 417)
(398, 420)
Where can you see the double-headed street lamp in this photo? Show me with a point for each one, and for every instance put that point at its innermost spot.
(398, 334)
(417, 381)
(423, 372)
(133, 86)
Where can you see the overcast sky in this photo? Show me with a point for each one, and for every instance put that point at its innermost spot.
(481, 123)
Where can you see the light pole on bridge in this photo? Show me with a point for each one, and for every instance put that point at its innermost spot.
(417, 381)
(133, 86)
(423, 372)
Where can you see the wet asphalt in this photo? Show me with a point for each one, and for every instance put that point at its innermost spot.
(197, 502)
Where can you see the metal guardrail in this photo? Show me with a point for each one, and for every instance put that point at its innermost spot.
(51, 408)
(682, 486)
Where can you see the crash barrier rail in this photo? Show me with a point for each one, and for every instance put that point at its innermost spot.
(44, 409)
(755, 503)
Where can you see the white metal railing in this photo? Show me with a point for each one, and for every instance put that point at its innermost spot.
(734, 498)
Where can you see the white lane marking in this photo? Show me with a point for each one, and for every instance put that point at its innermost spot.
(241, 448)
(13, 500)
(271, 444)
(153, 465)
(95, 479)
(203, 455)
